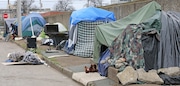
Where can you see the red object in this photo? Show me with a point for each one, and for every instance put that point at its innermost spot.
(5, 15)
(92, 68)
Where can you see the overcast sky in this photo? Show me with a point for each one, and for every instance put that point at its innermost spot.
(77, 4)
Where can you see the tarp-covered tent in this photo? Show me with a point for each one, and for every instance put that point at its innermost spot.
(143, 46)
(37, 22)
(139, 44)
(81, 33)
(105, 34)
(134, 43)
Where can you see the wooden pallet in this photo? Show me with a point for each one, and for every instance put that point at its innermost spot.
(64, 55)
(15, 63)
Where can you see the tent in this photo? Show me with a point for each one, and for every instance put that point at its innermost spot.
(81, 33)
(144, 47)
(138, 43)
(105, 34)
(32, 24)
(16, 21)
(61, 27)
(8, 23)
(152, 43)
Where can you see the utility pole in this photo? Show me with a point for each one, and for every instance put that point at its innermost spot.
(40, 5)
(9, 9)
(19, 18)
(88, 3)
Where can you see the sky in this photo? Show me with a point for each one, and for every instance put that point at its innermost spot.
(77, 4)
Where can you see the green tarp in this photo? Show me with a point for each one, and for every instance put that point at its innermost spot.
(106, 33)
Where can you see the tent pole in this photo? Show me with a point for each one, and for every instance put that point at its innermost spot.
(32, 27)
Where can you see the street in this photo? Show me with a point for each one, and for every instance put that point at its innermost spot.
(29, 75)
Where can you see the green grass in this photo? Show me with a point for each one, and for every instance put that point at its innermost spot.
(54, 60)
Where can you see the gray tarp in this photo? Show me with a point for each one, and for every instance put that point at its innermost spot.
(150, 44)
(169, 54)
(150, 41)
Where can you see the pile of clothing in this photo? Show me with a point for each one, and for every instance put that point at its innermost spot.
(28, 57)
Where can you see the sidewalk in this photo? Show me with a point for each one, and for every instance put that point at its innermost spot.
(72, 66)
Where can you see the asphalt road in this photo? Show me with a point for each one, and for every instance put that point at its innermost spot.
(29, 75)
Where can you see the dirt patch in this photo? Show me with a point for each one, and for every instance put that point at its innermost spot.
(23, 43)
(72, 60)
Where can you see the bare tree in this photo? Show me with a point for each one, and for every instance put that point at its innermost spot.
(94, 3)
(34, 7)
(26, 5)
(64, 5)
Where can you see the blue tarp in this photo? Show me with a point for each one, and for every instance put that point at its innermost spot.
(37, 22)
(91, 14)
(103, 67)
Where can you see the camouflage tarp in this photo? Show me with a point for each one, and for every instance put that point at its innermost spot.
(133, 44)
(128, 45)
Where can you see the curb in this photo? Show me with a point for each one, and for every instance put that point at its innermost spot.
(58, 67)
